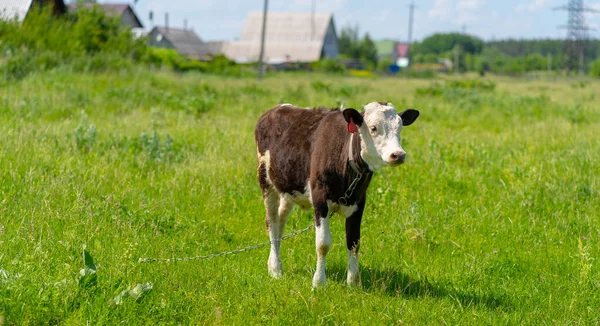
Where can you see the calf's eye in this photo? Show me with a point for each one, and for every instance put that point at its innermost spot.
(373, 129)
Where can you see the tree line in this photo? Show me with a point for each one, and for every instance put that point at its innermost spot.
(504, 56)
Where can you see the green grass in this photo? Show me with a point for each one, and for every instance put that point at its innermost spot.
(493, 220)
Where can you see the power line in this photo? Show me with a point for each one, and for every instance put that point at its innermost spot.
(576, 33)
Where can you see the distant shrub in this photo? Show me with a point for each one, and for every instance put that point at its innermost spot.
(170, 58)
(422, 73)
(383, 65)
(328, 65)
(595, 69)
(338, 90)
(85, 134)
(101, 62)
(87, 38)
(454, 88)
(155, 149)
(361, 73)
(163, 57)
(479, 84)
(18, 65)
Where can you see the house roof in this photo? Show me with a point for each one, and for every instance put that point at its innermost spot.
(11, 9)
(185, 41)
(117, 9)
(402, 49)
(287, 26)
(289, 36)
(245, 52)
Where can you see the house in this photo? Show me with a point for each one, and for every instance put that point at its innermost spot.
(386, 49)
(289, 37)
(123, 11)
(396, 51)
(18, 9)
(401, 50)
(185, 41)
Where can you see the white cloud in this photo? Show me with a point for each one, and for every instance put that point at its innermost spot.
(593, 18)
(469, 4)
(458, 13)
(441, 9)
(533, 6)
(321, 5)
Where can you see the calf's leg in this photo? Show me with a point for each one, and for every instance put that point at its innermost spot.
(353, 244)
(322, 242)
(271, 199)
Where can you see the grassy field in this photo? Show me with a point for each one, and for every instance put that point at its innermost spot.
(493, 220)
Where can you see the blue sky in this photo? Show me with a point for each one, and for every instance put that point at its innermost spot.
(488, 19)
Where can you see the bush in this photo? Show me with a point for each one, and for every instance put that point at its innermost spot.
(422, 73)
(168, 58)
(328, 65)
(87, 39)
(456, 87)
(361, 73)
(384, 64)
(595, 69)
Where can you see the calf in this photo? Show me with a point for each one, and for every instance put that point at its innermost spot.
(324, 158)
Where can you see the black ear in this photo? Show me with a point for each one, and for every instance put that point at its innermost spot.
(408, 116)
(357, 118)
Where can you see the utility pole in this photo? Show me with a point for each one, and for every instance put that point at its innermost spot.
(262, 41)
(456, 59)
(576, 33)
(312, 20)
(410, 22)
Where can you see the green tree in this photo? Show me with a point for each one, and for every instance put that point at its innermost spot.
(441, 43)
(348, 42)
(351, 46)
(368, 51)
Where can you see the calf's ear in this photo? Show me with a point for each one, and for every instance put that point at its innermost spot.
(356, 117)
(408, 116)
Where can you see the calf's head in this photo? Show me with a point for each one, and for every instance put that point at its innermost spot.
(379, 127)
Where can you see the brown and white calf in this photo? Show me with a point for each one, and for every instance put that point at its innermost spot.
(312, 156)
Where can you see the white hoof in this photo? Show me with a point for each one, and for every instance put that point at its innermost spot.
(353, 279)
(275, 269)
(318, 280)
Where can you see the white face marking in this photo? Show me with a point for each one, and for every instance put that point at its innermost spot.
(285, 104)
(380, 135)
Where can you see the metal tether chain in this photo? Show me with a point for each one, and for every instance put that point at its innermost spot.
(227, 253)
(350, 190)
(341, 201)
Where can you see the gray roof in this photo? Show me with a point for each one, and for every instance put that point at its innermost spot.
(11, 9)
(185, 41)
(289, 36)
